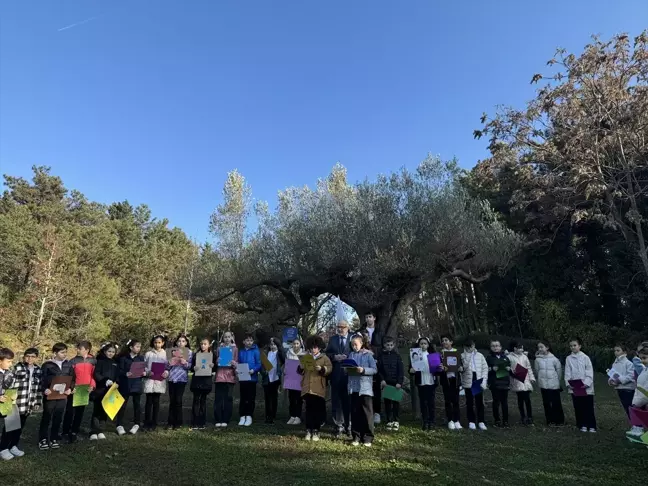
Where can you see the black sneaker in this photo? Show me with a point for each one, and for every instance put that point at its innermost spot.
(54, 444)
(43, 445)
(72, 438)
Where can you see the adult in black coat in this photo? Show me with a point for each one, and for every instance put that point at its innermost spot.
(338, 350)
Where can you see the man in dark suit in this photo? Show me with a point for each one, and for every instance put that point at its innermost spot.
(338, 350)
(376, 341)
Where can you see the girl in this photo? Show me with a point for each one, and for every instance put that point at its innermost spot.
(154, 388)
(294, 396)
(578, 366)
(548, 370)
(522, 388)
(271, 380)
(106, 373)
(225, 380)
(450, 385)
(130, 386)
(249, 354)
(426, 386)
(178, 378)
(474, 372)
(314, 387)
(499, 382)
(640, 399)
(200, 386)
(623, 379)
(361, 392)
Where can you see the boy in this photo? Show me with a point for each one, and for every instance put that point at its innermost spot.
(499, 382)
(83, 365)
(314, 387)
(251, 355)
(27, 375)
(391, 372)
(6, 382)
(53, 410)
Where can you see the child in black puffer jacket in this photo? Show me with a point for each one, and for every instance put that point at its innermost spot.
(106, 373)
(391, 372)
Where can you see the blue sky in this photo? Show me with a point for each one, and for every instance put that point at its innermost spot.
(155, 101)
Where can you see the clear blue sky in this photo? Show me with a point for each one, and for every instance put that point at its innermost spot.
(155, 101)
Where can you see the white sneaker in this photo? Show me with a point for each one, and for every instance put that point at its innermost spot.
(93, 437)
(355, 443)
(316, 436)
(16, 452)
(101, 436)
(291, 421)
(472, 426)
(593, 431)
(120, 430)
(376, 418)
(482, 426)
(462, 393)
(395, 426)
(134, 429)
(635, 431)
(242, 421)
(223, 426)
(6, 455)
(451, 425)
(248, 421)
(297, 421)
(367, 444)
(583, 429)
(308, 435)
(458, 426)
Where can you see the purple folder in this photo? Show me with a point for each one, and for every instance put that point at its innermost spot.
(157, 370)
(292, 379)
(434, 360)
(578, 388)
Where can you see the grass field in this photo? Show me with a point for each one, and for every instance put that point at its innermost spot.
(279, 455)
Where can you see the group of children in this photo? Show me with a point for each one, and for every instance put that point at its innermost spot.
(499, 372)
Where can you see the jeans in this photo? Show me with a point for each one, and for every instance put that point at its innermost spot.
(152, 410)
(247, 398)
(584, 411)
(552, 405)
(223, 402)
(472, 402)
(199, 409)
(315, 412)
(295, 403)
(524, 402)
(426, 395)
(137, 413)
(271, 396)
(500, 401)
(362, 425)
(626, 397)
(176, 392)
(53, 411)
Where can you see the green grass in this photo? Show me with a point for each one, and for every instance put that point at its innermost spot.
(279, 455)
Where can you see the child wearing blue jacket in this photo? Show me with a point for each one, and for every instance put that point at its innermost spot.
(361, 392)
(249, 354)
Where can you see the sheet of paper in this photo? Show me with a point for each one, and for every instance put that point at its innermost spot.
(265, 362)
(612, 373)
(81, 396)
(392, 393)
(12, 420)
(225, 356)
(292, 379)
(307, 362)
(418, 363)
(137, 369)
(243, 372)
(203, 364)
(112, 401)
(157, 370)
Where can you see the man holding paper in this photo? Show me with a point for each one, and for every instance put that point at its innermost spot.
(338, 350)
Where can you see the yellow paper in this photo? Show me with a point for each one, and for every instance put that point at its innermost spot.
(307, 362)
(267, 365)
(112, 401)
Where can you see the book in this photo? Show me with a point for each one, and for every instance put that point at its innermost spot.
(58, 387)
(520, 373)
(137, 369)
(451, 361)
(225, 356)
(157, 371)
(392, 393)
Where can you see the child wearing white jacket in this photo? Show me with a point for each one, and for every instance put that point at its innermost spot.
(578, 366)
(548, 371)
(474, 368)
(640, 399)
(522, 388)
(622, 377)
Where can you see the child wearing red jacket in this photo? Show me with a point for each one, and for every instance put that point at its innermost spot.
(83, 365)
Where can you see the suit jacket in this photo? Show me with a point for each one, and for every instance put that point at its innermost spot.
(335, 347)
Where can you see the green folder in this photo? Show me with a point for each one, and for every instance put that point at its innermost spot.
(501, 373)
(81, 396)
(7, 407)
(392, 393)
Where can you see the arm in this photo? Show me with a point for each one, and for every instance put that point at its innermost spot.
(558, 367)
(371, 369)
(39, 392)
(327, 367)
(532, 376)
(628, 374)
(400, 371)
(568, 372)
(191, 361)
(20, 373)
(257, 361)
(589, 373)
(484, 368)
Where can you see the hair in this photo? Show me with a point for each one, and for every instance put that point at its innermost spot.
(343, 322)
(105, 347)
(248, 335)
(6, 353)
(643, 350)
(495, 341)
(446, 336)
(576, 339)
(545, 342)
(370, 313)
(158, 336)
(643, 344)
(388, 339)
(85, 345)
(469, 343)
(230, 333)
(431, 345)
(210, 343)
(33, 351)
(515, 344)
(314, 342)
(623, 347)
(359, 336)
(59, 347)
(127, 348)
(181, 336)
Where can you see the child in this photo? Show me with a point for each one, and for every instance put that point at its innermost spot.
(314, 387)
(548, 370)
(391, 372)
(578, 366)
(361, 392)
(106, 373)
(200, 387)
(450, 385)
(473, 369)
(6, 382)
(53, 410)
(623, 378)
(640, 399)
(178, 378)
(83, 365)
(27, 377)
(225, 380)
(499, 382)
(294, 396)
(271, 380)
(130, 386)
(636, 361)
(426, 386)
(154, 388)
(522, 388)
(249, 354)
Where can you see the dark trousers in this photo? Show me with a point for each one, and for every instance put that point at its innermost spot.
(271, 396)
(341, 404)
(426, 395)
(315, 414)
(362, 425)
(53, 411)
(626, 397)
(99, 416)
(137, 413)
(176, 392)
(524, 404)
(199, 409)
(474, 402)
(377, 395)
(152, 410)
(11, 439)
(295, 403)
(247, 398)
(223, 402)
(584, 411)
(391, 410)
(552, 406)
(73, 417)
(450, 398)
(500, 402)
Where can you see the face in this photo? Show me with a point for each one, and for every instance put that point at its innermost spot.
(30, 359)
(228, 338)
(343, 328)
(469, 349)
(574, 346)
(389, 346)
(518, 349)
(248, 342)
(158, 343)
(542, 349)
(136, 348)
(61, 355)
(356, 345)
(5, 363)
(181, 342)
(618, 351)
(370, 320)
(204, 345)
(81, 351)
(424, 345)
(296, 346)
(644, 359)
(110, 352)
(315, 350)
(273, 346)
(496, 347)
(446, 343)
